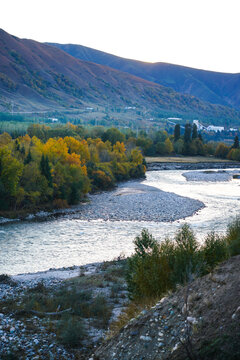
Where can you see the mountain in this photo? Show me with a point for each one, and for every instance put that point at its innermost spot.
(214, 87)
(36, 76)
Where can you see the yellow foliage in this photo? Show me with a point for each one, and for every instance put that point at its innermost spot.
(73, 159)
(56, 150)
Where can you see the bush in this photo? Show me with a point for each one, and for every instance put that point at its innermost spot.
(6, 279)
(147, 273)
(158, 267)
(100, 310)
(214, 251)
(233, 237)
(186, 257)
(70, 332)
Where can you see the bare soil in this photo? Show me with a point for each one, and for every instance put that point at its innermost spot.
(200, 321)
(184, 159)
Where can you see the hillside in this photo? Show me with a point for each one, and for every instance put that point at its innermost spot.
(36, 76)
(199, 321)
(215, 87)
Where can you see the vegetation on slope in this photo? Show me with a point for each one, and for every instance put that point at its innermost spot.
(37, 76)
(215, 87)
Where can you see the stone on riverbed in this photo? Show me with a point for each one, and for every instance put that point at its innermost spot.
(138, 202)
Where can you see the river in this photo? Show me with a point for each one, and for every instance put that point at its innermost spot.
(31, 246)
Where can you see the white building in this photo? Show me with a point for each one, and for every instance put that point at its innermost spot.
(199, 125)
(215, 128)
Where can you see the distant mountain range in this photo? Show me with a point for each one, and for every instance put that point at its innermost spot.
(214, 87)
(36, 76)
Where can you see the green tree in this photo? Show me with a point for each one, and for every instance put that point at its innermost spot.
(113, 135)
(177, 132)
(10, 173)
(236, 142)
(187, 133)
(28, 158)
(194, 132)
(45, 169)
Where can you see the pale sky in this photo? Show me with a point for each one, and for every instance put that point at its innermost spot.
(204, 34)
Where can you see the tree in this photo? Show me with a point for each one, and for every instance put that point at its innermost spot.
(168, 146)
(178, 146)
(236, 143)
(28, 158)
(177, 132)
(113, 135)
(10, 173)
(187, 133)
(194, 132)
(45, 169)
(222, 151)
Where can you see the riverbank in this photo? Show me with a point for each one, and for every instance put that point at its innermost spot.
(136, 213)
(130, 201)
(162, 330)
(181, 165)
(62, 313)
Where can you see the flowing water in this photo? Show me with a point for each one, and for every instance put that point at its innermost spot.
(31, 246)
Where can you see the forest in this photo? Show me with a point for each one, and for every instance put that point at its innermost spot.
(54, 167)
(55, 170)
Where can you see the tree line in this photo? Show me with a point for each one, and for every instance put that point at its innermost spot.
(43, 171)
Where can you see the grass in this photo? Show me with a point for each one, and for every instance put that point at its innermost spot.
(183, 159)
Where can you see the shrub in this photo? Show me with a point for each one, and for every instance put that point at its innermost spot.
(158, 267)
(70, 332)
(100, 310)
(233, 237)
(60, 204)
(6, 279)
(214, 251)
(186, 256)
(147, 273)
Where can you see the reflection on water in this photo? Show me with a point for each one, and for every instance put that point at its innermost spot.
(66, 241)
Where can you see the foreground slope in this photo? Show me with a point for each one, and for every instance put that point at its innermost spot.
(202, 318)
(215, 87)
(35, 76)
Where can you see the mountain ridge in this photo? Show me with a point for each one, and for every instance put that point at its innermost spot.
(215, 87)
(37, 76)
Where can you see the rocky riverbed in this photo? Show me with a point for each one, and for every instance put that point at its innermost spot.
(154, 166)
(211, 175)
(134, 201)
(59, 333)
(130, 201)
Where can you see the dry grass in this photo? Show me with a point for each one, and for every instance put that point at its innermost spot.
(132, 311)
(183, 159)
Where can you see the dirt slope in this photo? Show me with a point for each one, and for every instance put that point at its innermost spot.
(198, 321)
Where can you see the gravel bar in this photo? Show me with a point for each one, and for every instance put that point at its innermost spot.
(211, 176)
(134, 201)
